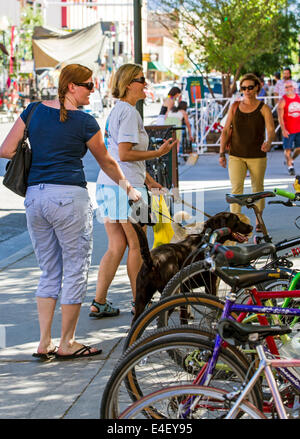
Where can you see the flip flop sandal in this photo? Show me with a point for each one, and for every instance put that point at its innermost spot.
(80, 353)
(46, 356)
(258, 229)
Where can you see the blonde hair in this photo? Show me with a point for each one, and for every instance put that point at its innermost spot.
(123, 77)
(251, 77)
(70, 73)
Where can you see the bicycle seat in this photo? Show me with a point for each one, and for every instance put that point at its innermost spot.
(244, 254)
(248, 199)
(236, 333)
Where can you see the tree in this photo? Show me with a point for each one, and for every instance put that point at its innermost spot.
(29, 19)
(228, 35)
(285, 51)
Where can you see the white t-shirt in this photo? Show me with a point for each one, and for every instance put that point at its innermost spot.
(124, 124)
(178, 114)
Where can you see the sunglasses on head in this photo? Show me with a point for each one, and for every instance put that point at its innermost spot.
(141, 80)
(88, 85)
(250, 87)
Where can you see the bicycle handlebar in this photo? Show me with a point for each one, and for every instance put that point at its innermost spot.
(283, 193)
(219, 233)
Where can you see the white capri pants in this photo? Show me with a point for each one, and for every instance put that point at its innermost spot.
(60, 224)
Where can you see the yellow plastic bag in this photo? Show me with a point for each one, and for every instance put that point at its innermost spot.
(163, 231)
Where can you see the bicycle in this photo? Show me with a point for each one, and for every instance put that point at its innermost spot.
(130, 371)
(158, 166)
(248, 200)
(185, 402)
(192, 281)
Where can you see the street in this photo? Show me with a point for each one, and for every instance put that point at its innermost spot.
(73, 389)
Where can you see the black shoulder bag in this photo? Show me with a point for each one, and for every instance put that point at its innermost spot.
(17, 169)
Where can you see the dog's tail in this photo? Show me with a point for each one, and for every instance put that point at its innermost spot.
(145, 251)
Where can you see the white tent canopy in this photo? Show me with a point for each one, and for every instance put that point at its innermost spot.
(53, 47)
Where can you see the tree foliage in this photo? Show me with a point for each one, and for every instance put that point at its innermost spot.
(29, 19)
(231, 35)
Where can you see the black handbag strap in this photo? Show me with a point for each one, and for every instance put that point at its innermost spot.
(29, 119)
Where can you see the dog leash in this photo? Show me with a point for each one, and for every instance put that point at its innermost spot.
(171, 219)
(195, 208)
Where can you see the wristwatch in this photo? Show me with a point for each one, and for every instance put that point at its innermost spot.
(222, 154)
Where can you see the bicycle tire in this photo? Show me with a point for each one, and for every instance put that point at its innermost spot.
(165, 313)
(133, 377)
(192, 279)
(211, 398)
(273, 285)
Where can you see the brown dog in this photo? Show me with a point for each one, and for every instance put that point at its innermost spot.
(163, 262)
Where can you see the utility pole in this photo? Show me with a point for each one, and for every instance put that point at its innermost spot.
(138, 52)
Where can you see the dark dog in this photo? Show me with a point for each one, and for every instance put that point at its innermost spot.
(163, 262)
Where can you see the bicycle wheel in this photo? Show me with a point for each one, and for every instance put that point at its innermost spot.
(200, 310)
(166, 360)
(273, 285)
(197, 279)
(276, 285)
(188, 402)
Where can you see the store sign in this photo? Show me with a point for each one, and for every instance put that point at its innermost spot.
(26, 66)
(194, 86)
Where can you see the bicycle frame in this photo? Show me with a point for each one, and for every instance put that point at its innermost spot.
(266, 366)
(206, 373)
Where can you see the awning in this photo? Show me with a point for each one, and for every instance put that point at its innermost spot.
(52, 48)
(155, 65)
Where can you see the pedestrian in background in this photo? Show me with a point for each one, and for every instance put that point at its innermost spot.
(128, 143)
(179, 117)
(248, 147)
(168, 104)
(58, 208)
(263, 88)
(289, 119)
(279, 89)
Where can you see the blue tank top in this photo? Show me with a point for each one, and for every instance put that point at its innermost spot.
(58, 147)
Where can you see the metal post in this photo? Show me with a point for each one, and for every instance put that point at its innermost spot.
(138, 52)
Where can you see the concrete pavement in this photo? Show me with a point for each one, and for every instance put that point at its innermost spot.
(30, 389)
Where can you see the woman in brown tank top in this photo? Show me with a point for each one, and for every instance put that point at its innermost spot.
(247, 121)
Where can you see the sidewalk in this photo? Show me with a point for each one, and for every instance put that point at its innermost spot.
(30, 389)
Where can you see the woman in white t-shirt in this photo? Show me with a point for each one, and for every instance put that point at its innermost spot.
(127, 142)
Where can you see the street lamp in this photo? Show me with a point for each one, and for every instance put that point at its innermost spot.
(138, 51)
(4, 24)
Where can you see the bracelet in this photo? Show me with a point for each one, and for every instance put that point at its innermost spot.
(222, 154)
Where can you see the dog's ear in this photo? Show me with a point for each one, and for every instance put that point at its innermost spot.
(225, 219)
(217, 221)
(232, 220)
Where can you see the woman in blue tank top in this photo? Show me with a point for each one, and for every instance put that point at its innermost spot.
(58, 209)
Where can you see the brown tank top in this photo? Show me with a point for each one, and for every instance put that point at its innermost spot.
(248, 134)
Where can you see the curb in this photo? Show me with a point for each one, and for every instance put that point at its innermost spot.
(7, 249)
(4, 263)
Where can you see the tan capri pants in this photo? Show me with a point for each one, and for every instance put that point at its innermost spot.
(237, 168)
